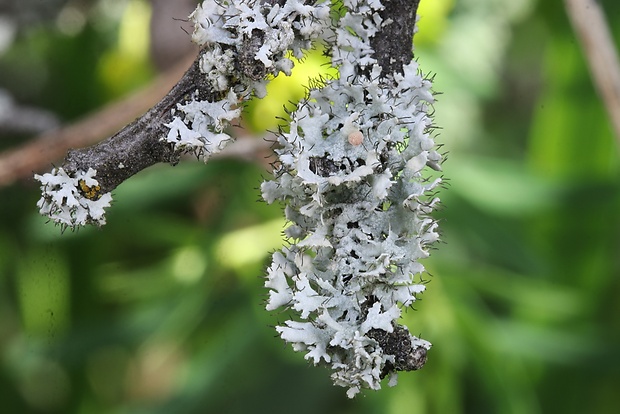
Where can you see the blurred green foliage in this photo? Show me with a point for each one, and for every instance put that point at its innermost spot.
(161, 311)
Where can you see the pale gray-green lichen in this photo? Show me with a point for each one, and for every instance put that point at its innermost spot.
(359, 209)
(228, 31)
(72, 200)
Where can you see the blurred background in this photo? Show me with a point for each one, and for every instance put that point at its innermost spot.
(161, 310)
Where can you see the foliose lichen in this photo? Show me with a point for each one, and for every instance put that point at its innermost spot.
(351, 175)
(72, 200)
(261, 34)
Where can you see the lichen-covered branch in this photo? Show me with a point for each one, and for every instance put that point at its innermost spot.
(352, 173)
(354, 170)
(242, 43)
(140, 144)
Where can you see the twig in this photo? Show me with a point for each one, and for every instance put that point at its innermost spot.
(588, 20)
(37, 154)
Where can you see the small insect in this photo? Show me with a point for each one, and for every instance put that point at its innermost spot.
(355, 138)
(90, 192)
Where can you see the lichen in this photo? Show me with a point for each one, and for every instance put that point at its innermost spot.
(228, 30)
(72, 200)
(350, 173)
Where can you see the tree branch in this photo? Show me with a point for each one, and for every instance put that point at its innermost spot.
(37, 154)
(393, 50)
(592, 30)
(350, 174)
(392, 43)
(18, 119)
(349, 171)
(241, 43)
(139, 145)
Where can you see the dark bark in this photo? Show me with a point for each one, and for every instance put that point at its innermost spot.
(393, 46)
(393, 43)
(139, 145)
(398, 343)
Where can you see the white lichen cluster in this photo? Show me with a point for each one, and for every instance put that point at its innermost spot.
(226, 30)
(72, 201)
(351, 174)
